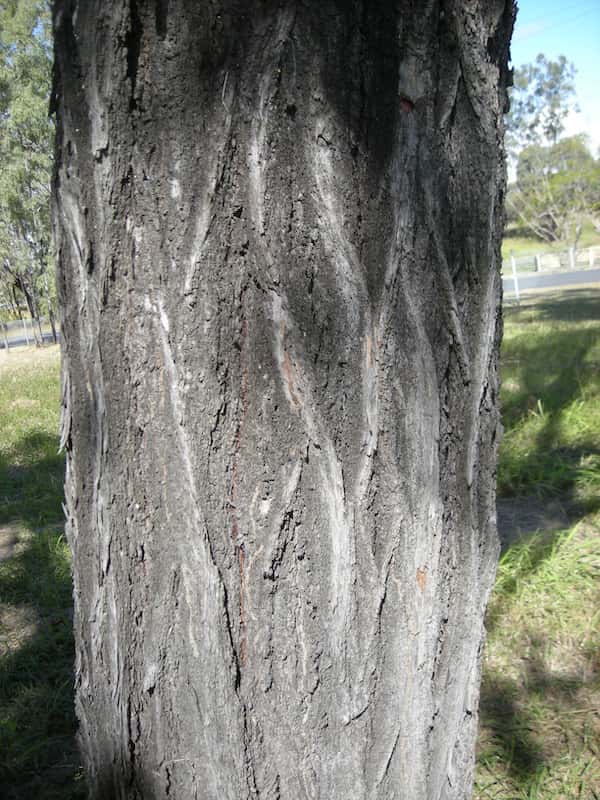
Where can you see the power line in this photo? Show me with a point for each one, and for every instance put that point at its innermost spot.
(557, 22)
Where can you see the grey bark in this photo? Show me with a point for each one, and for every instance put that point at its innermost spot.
(278, 229)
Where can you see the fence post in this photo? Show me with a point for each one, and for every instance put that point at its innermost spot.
(538, 263)
(515, 278)
(572, 257)
(25, 329)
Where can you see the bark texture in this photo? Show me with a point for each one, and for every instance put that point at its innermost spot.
(278, 229)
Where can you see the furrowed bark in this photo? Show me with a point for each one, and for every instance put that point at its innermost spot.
(278, 230)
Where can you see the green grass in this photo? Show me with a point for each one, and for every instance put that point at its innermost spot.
(37, 722)
(31, 470)
(540, 709)
(551, 399)
(521, 243)
(540, 702)
(38, 758)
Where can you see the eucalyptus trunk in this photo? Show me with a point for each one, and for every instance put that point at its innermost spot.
(278, 229)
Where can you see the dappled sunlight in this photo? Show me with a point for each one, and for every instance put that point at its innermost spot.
(18, 626)
(31, 481)
(551, 400)
(38, 756)
(37, 721)
(31, 468)
(540, 702)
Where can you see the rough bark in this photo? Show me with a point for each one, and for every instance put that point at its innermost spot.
(278, 229)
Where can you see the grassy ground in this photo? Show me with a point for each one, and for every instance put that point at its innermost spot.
(519, 242)
(540, 710)
(38, 758)
(540, 705)
(551, 399)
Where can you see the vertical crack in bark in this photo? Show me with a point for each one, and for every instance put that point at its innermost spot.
(385, 771)
(302, 401)
(133, 45)
(161, 16)
(204, 564)
(450, 308)
(236, 536)
(204, 213)
(197, 551)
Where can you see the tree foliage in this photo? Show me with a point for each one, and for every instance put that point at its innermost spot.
(541, 98)
(26, 136)
(557, 178)
(557, 188)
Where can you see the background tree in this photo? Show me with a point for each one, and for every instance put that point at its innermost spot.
(26, 136)
(557, 188)
(278, 230)
(541, 98)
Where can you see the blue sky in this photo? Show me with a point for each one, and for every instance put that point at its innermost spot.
(571, 29)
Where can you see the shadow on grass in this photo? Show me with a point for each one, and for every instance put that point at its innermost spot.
(549, 468)
(37, 721)
(511, 728)
(38, 758)
(549, 472)
(550, 366)
(31, 481)
(541, 684)
(516, 715)
(576, 305)
(550, 449)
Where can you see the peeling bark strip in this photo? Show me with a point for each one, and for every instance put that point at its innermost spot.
(278, 230)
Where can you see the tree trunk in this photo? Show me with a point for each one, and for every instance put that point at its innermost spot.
(15, 303)
(35, 314)
(50, 308)
(30, 299)
(278, 230)
(52, 322)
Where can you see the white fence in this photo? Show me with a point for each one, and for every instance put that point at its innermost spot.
(19, 332)
(571, 259)
(544, 271)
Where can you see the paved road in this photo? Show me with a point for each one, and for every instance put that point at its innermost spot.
(22, 341)
(551, 280)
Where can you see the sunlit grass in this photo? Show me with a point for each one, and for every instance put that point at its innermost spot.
(540, 708)
(30, 466)
(551, 399)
